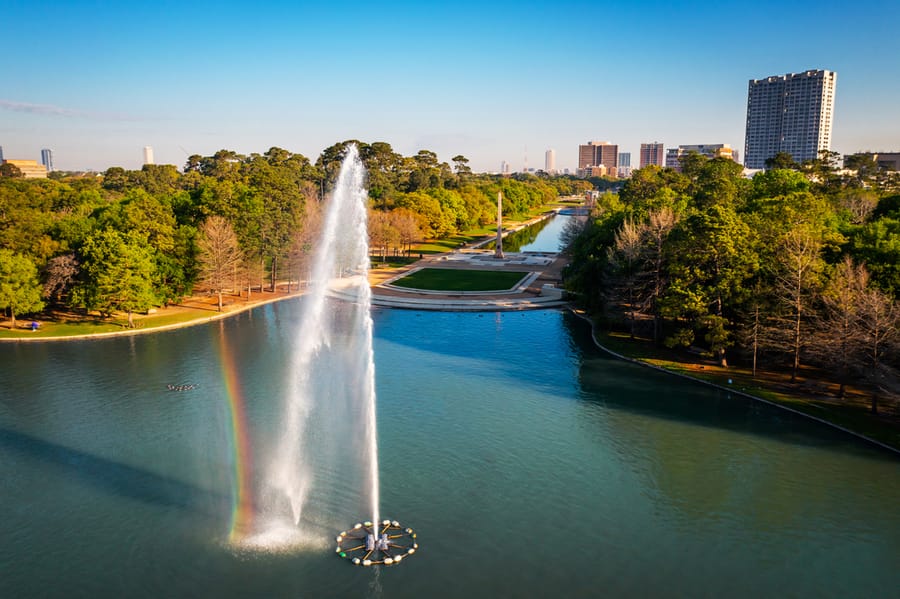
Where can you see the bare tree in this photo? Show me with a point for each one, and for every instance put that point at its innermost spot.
(800, 262)
(220, 254)
(659, 225)
(879, 323)
(59, 273)
(839, 336)
(625, 257)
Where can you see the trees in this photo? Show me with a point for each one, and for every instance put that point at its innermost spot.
(118, 273)
(220, 255)
(20, 290)
(10, 171)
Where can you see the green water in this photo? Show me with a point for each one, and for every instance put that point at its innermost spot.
(529, 463)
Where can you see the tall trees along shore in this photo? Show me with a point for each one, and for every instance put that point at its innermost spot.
(126, 241)
(796, 266)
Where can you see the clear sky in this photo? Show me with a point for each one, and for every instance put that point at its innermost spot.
(98, 81)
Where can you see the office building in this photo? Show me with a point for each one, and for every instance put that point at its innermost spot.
(886, 161)
(30, 169)
(652, 153)
(623, 169)
(47, 159)
(790, 113)
(148, 155)
(597, 154)
(673, 155)
(550, 162)
(1, 154)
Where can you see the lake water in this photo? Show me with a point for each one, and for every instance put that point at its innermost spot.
(529, 463)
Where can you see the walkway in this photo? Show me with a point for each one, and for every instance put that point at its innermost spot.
(541, 289)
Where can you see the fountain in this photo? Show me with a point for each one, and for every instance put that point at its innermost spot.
(330, 406)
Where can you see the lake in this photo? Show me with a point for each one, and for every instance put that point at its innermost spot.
(530, 464)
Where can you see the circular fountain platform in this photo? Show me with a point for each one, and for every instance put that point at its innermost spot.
(368, 544)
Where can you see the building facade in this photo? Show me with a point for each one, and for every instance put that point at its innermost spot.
(148, 155)
(550, 161)
(47, 159)
(673, 155)
(652, 153)
(30, 169)
(597, 154)
(790, 113)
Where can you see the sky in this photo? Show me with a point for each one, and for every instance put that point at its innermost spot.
(493, 81)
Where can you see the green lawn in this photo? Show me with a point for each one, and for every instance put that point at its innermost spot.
(445, 279)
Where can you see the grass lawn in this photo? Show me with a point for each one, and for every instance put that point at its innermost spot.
(812, 394)
(445, 279)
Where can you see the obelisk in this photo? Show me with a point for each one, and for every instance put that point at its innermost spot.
(498, 247)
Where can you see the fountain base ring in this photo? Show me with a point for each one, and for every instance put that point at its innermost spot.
(368, 544)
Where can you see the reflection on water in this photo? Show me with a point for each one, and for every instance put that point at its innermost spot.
(508, 442)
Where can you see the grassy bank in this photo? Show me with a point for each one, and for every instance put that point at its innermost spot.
(812, 393)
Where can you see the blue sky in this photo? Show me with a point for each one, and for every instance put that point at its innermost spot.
(494, 81)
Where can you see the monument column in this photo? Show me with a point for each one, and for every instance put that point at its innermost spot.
(498, 246)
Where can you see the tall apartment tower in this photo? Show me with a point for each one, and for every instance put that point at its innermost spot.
(789, 113)
(148, 155)
(1, 154)
(597, 153)
(550, 161)
(652, 153)
(47, 159)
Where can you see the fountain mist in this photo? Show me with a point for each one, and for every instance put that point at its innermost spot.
(330, 403)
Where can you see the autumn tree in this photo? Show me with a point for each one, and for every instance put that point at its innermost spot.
(220, 255)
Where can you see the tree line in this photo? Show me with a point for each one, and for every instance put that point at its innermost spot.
(799, 265)
(128, 240)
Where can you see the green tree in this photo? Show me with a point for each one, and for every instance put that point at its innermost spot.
(20, 290)
(781, 160)
(712, 257)
(10, 171)
(118, 271)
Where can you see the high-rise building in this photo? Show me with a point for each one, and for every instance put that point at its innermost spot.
(673, 155)
(1, 154)
(598, 153)
(47, 159)
(789, 113)
(504, 168)
(550, 161)
(624, 167)
(148, 154)
(652, 153)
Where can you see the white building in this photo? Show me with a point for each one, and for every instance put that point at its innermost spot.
(148, 155)
(789, 113)
(550, 161)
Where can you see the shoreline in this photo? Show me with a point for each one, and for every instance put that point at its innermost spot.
(249, 305)
(583, 316)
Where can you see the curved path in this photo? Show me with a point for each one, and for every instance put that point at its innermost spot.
(541, 289)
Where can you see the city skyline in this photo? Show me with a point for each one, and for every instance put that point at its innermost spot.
(444, 78)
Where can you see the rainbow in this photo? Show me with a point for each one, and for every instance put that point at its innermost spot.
(242, 504)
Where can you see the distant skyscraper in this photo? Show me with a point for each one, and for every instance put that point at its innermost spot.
(1, 154)
(550, 161)
(504, 168)
(599, 153)
(789, 113)
(148, 154)
(624, 159)
(652, 154)
(47, 159)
